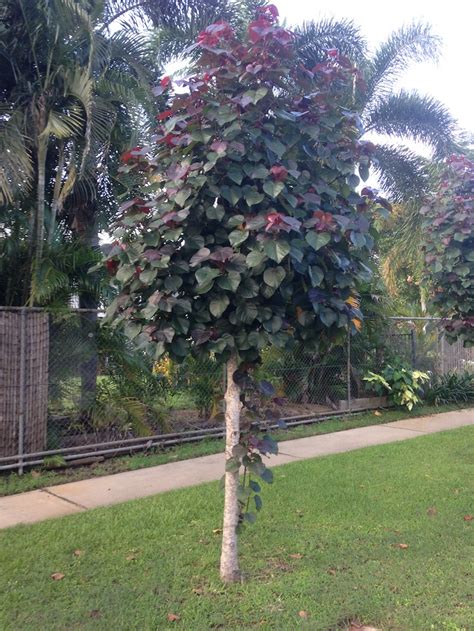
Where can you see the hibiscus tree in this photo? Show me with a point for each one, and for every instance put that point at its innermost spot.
(251, 232)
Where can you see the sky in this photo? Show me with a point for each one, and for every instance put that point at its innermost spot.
(451, 80)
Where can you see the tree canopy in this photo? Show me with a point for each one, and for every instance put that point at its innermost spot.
(449, 248)
(252, 232)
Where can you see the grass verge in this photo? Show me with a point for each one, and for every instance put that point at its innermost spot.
(377, 535)
(12, 483)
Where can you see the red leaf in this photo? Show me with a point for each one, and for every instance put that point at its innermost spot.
(219, 146)
(162, 115)
(172, 617)
(165, 82)
(468, 517)
(279, 173)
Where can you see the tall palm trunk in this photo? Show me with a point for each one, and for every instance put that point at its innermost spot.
(230, 571)
(36, 224)
(40, 200)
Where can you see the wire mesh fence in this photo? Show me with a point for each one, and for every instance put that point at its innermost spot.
(72, 388)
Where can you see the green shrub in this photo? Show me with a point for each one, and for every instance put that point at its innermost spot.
(452, 388)
(402, 385)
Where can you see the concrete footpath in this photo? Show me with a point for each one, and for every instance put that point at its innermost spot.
(77, 497)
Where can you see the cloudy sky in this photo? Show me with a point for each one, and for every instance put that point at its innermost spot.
(451, 80)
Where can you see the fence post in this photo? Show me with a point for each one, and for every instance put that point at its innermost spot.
(413, 348)
(22, 393)
(349, 397)
(441, 348)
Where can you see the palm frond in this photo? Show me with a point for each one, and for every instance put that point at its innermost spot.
(175, 32)
(315, 38)
(64, 124)
(63, 273)
(16, 170)
(403, 175)
(417, 117)
(409, 44)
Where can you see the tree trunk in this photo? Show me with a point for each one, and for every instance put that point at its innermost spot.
(89, 300)
(37, 241)
(230, 571)
(40, 201)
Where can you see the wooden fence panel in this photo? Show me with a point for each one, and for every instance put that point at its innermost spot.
(24, 349)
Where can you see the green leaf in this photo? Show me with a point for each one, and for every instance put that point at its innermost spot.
(235, 220)
(353, 181)
(316, 274)
(328, 317)
(246, 312)
(218, 305)
(201, 135)
(358, 239)
(276, 250)
(254, 258)
(275, 145)
(148, 312)
(226, 115)
(125, 273)
(239, 451)
(255, 486)
(248, 289)
(260, 93)
(231, 194)
(232, 465)
(259, 172)
(182, 195)
(172, 283)
(255, 95)
(230, 281)
(273, 325)
(274, 276)
(148, 276)
(318, 239)
(273, 188)
(235, 174)
(215, 212)
(364, 172)
(243, 493)
(253, 197)
(205, 278)
(267, 476)
(236, 237)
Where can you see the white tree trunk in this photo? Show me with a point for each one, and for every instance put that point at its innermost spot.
(230, 571)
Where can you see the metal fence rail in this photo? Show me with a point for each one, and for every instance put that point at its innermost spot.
(72, 389)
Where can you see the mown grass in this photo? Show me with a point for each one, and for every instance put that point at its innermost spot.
(325, 550)
(11, 483)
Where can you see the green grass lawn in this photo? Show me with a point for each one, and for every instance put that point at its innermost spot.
(11, 483)
(327, 543)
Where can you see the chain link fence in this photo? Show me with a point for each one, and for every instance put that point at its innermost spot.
(72, 388)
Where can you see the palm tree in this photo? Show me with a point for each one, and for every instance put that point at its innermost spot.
(75, 92)
(397, 116)
(66, 88)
